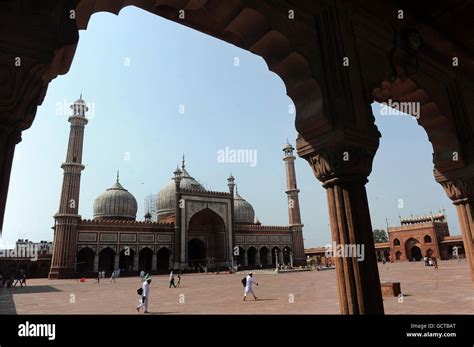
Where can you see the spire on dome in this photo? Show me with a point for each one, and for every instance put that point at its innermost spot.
(117, 176)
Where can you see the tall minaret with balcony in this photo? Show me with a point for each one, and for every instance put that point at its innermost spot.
(294, 214)
(67, 218)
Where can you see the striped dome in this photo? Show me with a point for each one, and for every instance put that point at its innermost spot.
(115, 203)
(166, 198)
(243, 211)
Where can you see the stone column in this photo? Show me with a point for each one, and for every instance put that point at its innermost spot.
(153, 262)
(96, 263)
(276, 259)
(135, 262)
(9, 137)
(177, 242)
(246, 262)
(343, 168)
(257, 258)
(116, 262)
(280, 257)
(459, 186)
(269, 258)
(291, 259)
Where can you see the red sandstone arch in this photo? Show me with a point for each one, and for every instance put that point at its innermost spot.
(229, 21)
(106, 259)
(126, 259)
(207, 222)
(436, 123)
(263, 254)
(163, 259)
(145, 259)
(85, 260)
(252, 255)
(409, 245)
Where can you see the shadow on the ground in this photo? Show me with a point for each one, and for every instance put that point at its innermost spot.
(7, 304)
(31, 289)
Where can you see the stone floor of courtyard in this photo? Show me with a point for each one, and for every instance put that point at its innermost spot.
(447, 290)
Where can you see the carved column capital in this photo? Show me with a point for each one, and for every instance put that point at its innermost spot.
(458, 184)
(343, 163)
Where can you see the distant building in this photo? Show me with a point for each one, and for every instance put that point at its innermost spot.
(416, 238)
(34, 258)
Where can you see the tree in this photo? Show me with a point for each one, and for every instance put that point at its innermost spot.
(380, 236)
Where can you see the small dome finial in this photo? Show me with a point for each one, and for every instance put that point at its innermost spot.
(80, 97)
(183, 163)
(117, 175)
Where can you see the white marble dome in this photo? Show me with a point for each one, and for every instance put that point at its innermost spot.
(115, 203)
(166, 198)
(243, 211)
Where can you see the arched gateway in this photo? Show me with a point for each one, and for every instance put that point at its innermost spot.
(332, 100)
(207, 239)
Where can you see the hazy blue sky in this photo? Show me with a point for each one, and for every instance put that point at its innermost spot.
(135, 70)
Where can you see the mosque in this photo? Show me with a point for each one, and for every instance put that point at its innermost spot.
(194, 226)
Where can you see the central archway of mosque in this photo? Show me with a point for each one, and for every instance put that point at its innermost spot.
(207, 235)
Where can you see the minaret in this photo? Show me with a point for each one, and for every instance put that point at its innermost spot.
(67, 218)
(294, 214)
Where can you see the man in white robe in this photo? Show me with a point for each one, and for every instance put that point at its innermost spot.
(145, 295)
(248, 286)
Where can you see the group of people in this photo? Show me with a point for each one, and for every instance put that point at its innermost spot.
(144, 290)
(171, 280)
(11, 282)
(113, 276)
(431, 261)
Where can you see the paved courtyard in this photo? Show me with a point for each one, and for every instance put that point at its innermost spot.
(426, 291)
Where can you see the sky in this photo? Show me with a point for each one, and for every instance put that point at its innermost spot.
(156, 90)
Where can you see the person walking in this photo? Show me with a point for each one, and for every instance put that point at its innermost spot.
(179, 281)
(435, 263)
(98, 277)
(248, 286)
(144, 294)
(19, 279)
(112, 278)
(23, 279)
(171, 280)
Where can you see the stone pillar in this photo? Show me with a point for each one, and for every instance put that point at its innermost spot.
(9, 137)
(96, 263)
(343, 168)
(269, 258)
(459, 186)
(291, 259)
(153, 262)
(116, 262)
(280, 257)
(276, 259)
(257, 258)
(177, 251)
(67, 219)
(246, 261)
(136, 262)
